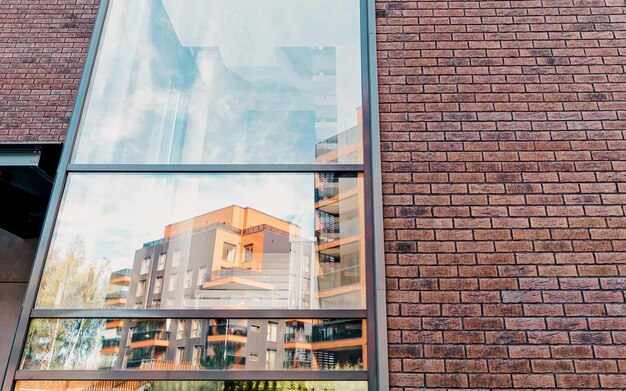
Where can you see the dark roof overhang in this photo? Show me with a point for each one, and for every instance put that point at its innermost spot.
(27, 172)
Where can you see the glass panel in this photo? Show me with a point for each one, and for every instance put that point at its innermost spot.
(165, 344)
(207, 385)
(229, 240)
(208, 81)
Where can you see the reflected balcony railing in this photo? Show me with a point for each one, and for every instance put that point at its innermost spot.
(326, 190)
(225, 361)
(331, 144)
(121, 273)
(297, 337)
(234, 272)
(339, 278)
(116, 295)
(327, 235)
(337, 332)
(110, 342)
(151, 335)
(296, 364)
(221, 329)
(335, 231)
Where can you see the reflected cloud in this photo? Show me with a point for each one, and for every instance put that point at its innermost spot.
(115, 214)
(257, 84)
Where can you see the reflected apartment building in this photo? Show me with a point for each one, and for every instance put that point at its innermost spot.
(239, 257)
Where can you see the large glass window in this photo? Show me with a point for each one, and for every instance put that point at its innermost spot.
(207, 385)
(211, 220)
(157, 344)
(214, 212)
(204, 81)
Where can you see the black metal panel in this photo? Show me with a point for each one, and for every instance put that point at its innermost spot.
(26, 176)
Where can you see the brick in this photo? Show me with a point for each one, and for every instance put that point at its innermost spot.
(571, 351)
(577, 381)
(490, 380)
(447, 380)
(423, 365)
(552, 366)
(533, 381)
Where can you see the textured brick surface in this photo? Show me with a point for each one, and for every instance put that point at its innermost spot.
(43, 45)
(504, 161)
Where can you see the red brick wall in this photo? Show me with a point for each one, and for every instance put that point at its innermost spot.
(504, 169)
(43, 45)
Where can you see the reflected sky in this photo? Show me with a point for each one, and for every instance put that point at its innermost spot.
(194, 81)
(116, 214)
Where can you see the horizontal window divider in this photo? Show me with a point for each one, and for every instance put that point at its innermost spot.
(214, 168)
(198, 314)
(150, 375)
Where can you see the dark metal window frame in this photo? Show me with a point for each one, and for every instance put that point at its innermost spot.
(375, 312)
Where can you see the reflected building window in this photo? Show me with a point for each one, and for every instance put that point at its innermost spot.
(188, 278)
(197, 356)
(145, 265)
(158, 285)
(176, 258)
(270, 359)
(180, 329)
(195, 328)
(202, 275)
(180, 355)
(228, 252)
(161, 263)
(248, 251)
(141, 290)
(272, 331)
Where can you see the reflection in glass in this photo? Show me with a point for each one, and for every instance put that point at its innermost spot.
(207, 241)
(207, 385)
(198, 344)
(194, 81)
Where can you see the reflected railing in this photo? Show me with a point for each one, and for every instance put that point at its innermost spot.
(121, 273)
(121, 294)
(337, 331)
(338, 278)
(234, 272)
(296, 364)
(110, 342)
(222, 329)
(150, 335)
(297, 337)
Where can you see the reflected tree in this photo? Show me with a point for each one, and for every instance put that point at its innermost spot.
(69, 281)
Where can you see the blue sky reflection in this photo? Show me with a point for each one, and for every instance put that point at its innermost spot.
(195, 81)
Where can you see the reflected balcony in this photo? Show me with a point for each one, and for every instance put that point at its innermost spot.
(231, 333)
(114, 323)
(297, 337)
(116, 299)
(296, 364)
(334, 279)
(337, 331)
(237, 279)
(226, 361)
(148, 338)
(121, 277)
(110, 345)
